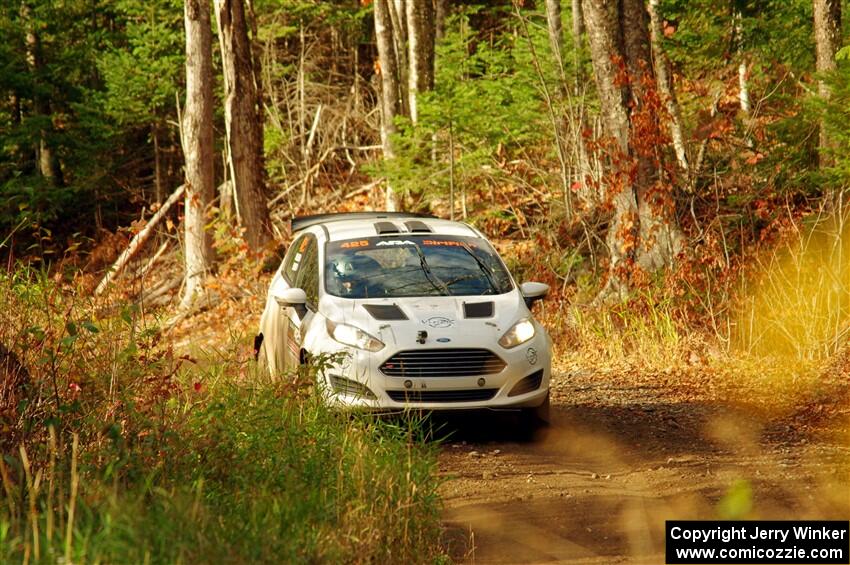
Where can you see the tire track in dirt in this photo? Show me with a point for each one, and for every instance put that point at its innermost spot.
(597, 485)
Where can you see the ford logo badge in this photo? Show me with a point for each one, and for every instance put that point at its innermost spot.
(443, 339)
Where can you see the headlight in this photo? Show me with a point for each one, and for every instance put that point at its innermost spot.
(355, 337)
(521, 332)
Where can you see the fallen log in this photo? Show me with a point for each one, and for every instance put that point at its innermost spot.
(138, 241)
(154, 259)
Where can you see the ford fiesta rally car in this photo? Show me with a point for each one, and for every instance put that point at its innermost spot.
(417, 312)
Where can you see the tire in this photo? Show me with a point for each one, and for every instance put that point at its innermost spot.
(263, 361)
(538, 416)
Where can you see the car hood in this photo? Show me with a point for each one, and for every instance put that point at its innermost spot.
(448, 321)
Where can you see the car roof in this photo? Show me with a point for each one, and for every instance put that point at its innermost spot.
(366, 224)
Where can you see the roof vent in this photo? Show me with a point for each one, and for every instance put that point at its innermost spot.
(414, 226)
(386, 227)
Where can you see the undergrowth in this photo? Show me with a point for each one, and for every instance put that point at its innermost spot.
(768, 326)
(117, 450)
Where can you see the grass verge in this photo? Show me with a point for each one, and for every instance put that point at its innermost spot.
(115, 449)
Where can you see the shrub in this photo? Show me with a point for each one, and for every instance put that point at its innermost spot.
(119, 450)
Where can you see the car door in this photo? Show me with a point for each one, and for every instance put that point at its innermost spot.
(275, 328)
(302, 273)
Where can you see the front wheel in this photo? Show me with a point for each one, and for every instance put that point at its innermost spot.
(263, 361)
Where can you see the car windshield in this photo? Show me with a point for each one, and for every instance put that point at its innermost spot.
(413, 265)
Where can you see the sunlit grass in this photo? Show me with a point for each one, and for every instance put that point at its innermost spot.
(643, 330)
(798, 307)
(117, 449)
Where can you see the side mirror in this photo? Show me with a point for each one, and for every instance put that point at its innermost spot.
(292, 298)
(533, 291)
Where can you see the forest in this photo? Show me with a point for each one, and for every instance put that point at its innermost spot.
(676, 171)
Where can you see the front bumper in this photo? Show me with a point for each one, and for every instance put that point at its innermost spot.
(358, 382)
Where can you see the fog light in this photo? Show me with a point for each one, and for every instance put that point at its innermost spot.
(481, 381)
(347, 387)
(408, 384)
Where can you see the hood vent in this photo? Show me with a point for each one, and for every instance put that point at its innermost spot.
(386, 227)
(478, 309)
(417, 226)
(385, 311)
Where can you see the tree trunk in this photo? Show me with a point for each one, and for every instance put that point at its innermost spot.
(827, 16)
(664, 74)
(421, 34)
(602, 20)
(660, 238)
(398, 18)
(606, 52)
(46, 160)
(743, 83)
(390, 99)
(642, 232)
(398, 12)
(578, 22)
(198, 145)
(584, 169)
(578, 35)
(138, 240)
(441, 12)
(634, 26)
(556, 32)
(157, 166)
(243, 121)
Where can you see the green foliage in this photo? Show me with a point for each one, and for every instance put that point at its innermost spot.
(836, 121)
(487, 102)
(707, 42)
(104, 74)
(185, 463)
(144, 69)
(771, 32)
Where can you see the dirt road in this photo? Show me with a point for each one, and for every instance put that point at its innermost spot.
(618, 460)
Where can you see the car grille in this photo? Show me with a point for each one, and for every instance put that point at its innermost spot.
(473, 395)
(455, 362)
(528, 384)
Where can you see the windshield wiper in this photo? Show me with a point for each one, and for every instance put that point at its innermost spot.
(435, 281)
(482, 266)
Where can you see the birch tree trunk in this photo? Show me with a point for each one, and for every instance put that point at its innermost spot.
(421, 34)
(664, 74)
(46, 159)
(197, 146)
(578, 21)
(243, 121)
(578, 41)
(584, 169)
(743, 77)
(390, 99)
(743, 84)
(556, 32)
(827, 16)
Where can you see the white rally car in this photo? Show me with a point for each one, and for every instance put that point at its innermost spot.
(417, 312)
